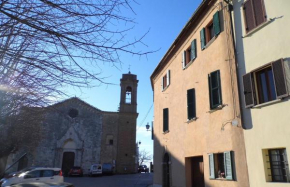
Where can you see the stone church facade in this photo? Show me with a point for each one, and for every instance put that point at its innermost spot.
(78, 134)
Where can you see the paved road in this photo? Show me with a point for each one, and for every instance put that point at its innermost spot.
(132, 180)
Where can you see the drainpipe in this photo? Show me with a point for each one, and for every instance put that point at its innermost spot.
(230, 10)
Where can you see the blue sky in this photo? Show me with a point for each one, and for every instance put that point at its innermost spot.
(164, 19)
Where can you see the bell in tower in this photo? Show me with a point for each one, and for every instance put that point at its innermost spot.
(128, 101)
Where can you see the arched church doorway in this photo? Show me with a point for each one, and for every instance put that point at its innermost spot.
(166, 171)
(68, 160)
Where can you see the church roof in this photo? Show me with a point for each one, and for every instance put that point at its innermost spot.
(76, 99)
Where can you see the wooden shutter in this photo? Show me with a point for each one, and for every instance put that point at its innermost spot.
(211, 166)
(191, 112)
(216, 23)
(168, 77)
(162, 87)
(183, 59)
(215, 89)
(249, 15)
(228, 165)
(259, 11)
(248, 90)
(202, 38)
(193, 50)
(165, 119)
(279, 78)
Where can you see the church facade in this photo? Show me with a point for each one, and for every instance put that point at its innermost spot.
(78, 134)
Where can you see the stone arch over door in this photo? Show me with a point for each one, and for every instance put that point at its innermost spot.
(70, 142)
(166, 170)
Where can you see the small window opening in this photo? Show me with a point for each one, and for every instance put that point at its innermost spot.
(128, 95)
(210, 32)
(111, 142)
(73, 113)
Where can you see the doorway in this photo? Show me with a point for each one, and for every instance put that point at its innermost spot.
(68, 160)
(197, 171)
(166, 171)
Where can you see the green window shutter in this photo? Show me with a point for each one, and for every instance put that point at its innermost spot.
(215, 94)
(216, 23)
(202, 38)
(191, 112)
(165, 119)
(211, 166)
(193, 50)
(228, 165)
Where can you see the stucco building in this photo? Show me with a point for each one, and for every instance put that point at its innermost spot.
(198, 136)
(262, 42)
(78, 134)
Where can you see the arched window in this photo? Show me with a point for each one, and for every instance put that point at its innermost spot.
(128, 99)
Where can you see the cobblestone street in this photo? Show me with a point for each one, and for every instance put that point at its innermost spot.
(132, 180)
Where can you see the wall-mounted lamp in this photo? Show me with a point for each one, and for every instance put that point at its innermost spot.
(147, 127)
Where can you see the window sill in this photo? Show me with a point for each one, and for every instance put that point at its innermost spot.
(165, 132)
(267, 104)
(221, 179)
(216, 109)
(189, 63)
(165, 88)
(257, 28)
(191, 120)
(209, 42)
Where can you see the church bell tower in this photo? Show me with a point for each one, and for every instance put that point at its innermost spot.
(127, 155)
(128, 100)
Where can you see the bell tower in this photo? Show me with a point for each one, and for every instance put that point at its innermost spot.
(128, 100)
(127, 156)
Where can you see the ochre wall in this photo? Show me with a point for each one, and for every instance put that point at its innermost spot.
(203, 136)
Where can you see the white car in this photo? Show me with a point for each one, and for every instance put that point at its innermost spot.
(96, 169)
(39, 174)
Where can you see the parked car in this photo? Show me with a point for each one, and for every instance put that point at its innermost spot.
(76, 171)
(39, 174)
(107, 169)
(43, 184)
(96, 169)
(143, 168)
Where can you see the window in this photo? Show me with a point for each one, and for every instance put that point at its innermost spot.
(210, 31)
(165, 120)
(254, 14)
(73, 113)
(128, 95)
(215, 94)
(191, 111)
(109, 139)
(47, 173)
(165, 82)
(277, 169)
(221, 165)
(189, 55)
(33, 174)
(265, 84)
